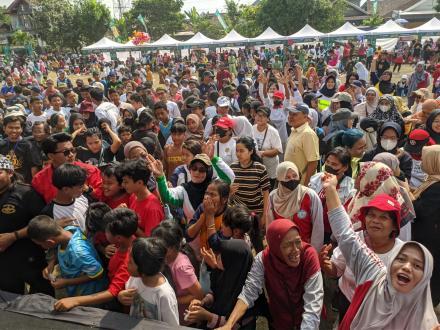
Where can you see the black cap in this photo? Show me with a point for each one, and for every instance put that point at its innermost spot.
(343, 114)
(208, 73)
(357, 83)
(369, 124)
(299, 107)
(264, 110)
(196, 104)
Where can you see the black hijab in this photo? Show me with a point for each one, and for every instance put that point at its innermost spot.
(385, 126)
(226, 285)
(387, 87)
(196, 191)
(435, 136)
(326, 91)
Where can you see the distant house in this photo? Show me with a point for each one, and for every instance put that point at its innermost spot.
(20, 12)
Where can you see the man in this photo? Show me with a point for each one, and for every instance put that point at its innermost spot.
(223, 108)
(162, 95)
(198, 108)
(222, 74)
(105, 109)
(115, 98)
(137, 102)
(62, 79)
(59, 149)
(303, 143)
(207, 84)
(7, 90)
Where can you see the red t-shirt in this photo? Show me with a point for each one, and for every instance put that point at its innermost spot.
(114, 203)
(117, 272)
(149, 211)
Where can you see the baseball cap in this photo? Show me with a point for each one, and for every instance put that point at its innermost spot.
(405, 76)
(343, 114)
(86, 106)
(131, 145)
(35, 89)
(223, 101)
(15, 111)
(201, 158)
(278, 95)
(357, 83)
(196, 104)
(299, 107)
(264, 110)
(225, 123)
(5, 163)
(161, 88)
(342, 97)
(384, 203)
(417, 139)
(99, 86)
(423, 92)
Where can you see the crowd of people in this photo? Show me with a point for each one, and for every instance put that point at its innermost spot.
(211, 190)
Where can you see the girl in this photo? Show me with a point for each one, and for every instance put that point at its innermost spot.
(181, 174)
(433, 125)
(194, 127)
(77, 127)
(58, 123)
(385, 85)
(329, 89)
(353, 140)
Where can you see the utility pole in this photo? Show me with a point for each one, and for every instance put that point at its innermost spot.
(120, 7)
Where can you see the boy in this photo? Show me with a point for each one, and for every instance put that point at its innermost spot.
(135, 175)
(173, 153)
(95, 153)
(56, 101)
(69, 202)
(124, 134)
(114, 193)
(121, 225)
(15, 148)
(81, 271)
(165, 122)
(40, 131)
(147, 290)
(36, 105)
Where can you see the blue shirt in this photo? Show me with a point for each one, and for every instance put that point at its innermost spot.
(7, 89)
(80, 258)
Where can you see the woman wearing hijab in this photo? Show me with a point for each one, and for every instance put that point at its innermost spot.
(387, 111)
(348, 82)
(242, 127)
(228, 277)
(418, 79)
(394, 298)
(375, 179)
(291, 200)
(426, 204)
(289, 270)
(194, 127)
(362, 72)
(393, 162)
(328, 90)
(385, 85)
(390, 134)
(433, 125)
(364, 109)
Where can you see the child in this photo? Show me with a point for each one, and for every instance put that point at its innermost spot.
(147, 290)
(36, 105)
(69, 201)
(81, 270)
(58, 123)
(40, 131)
(190, 148)
(121, 225)
(96, 229)
(165, 122)
(124, 133)
(225, 144)
(135, 175)
(114, 193)
(402, 86)
(173, 153)
(56, 101)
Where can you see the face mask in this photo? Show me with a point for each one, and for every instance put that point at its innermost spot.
(128, 121)
(331, 170)
(384, 108)
(277, 103)
(270, 95)
(388, 144)
(221, 133)
(291, 184)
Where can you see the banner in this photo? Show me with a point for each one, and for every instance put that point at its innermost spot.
(221, 20)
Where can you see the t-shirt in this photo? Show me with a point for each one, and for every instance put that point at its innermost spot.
(157, 303)
(21, 156)
(173, 157)
(211, 111)
(117, 271)
(105, 155)
(173, 109)
(149, 211)
(76, 210)
(114, 203)
(226, 151)
(80, 258)
(268, 141)
(31, 118)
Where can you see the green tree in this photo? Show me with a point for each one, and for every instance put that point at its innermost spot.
(373, 20)
(233, 13)
(21, 38)
(204, 23)
(288, 16)
(91, 19)
(4, 17)
(437, 6)
(248, 25)
(161, 16)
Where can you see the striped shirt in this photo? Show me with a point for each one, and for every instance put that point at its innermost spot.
(252, 182)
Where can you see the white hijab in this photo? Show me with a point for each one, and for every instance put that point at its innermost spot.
(385, 308)
(362, 71)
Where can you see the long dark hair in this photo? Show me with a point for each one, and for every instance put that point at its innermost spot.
(249, 143)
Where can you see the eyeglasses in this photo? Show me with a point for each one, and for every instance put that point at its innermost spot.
(66, 152)
(200, 169)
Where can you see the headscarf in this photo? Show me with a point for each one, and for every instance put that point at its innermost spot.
(388, 159)
(416, 78)
(196, 191)
(434, 135)
(326, 91)
(226, 285)
(199, 134)
(373, 106)
(385, 308)
(362, 71)
(387, 87)
(375, 179)
(431, 166)
(390, 115)
(285, 201)
(385, 126)
(285, 284)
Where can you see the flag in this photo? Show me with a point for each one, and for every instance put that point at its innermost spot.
(141, 19)
(114, 30)
(221, 20)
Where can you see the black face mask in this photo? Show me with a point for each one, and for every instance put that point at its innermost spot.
(277, 103)
(221, 133)
(291, 184)
(128, 121)
(331, 170)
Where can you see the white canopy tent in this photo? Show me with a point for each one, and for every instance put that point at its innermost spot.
(165, 41)
(347, 30)
(104, 44)
(233, 37)
(431, 26)
(268, 35)
(199, 39)
(390, 27)
(306, 32)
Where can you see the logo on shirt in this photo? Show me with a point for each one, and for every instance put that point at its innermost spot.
(302, 214)
(12, 157)
(8, 209)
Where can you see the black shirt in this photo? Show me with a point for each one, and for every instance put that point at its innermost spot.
(21, 156)
(105, 155)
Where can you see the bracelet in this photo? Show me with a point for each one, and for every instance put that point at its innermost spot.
(17, 237)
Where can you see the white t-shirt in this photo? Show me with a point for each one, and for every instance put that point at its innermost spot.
(110, 111)
(65, 111)
(226, 151)
(31, 118)
(211, 111)
(159, 303)
(173, 109)
(271, 141)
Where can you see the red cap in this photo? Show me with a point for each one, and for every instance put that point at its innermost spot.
(225, 123)
(279, 95)
(384, 203)
(418, 139)
(86, 106)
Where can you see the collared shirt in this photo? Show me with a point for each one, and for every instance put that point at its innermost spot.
(302, 148)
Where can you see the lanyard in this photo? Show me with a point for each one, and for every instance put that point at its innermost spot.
(264, 139)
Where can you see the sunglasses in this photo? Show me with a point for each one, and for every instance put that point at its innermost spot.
(200, 169)
(66, 152)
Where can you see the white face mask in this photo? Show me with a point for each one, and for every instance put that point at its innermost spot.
(384, 108)
(387, 144)
(419, 107)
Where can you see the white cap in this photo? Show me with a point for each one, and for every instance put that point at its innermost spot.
(405, 76)
(223, 101)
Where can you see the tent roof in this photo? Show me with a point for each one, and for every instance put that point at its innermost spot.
(233, 36)
(165, 40)
(306, 32)
(268, 34)
(347, 29)
(432, 25)
(104, 43)
(389, 27)
(198, 39)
